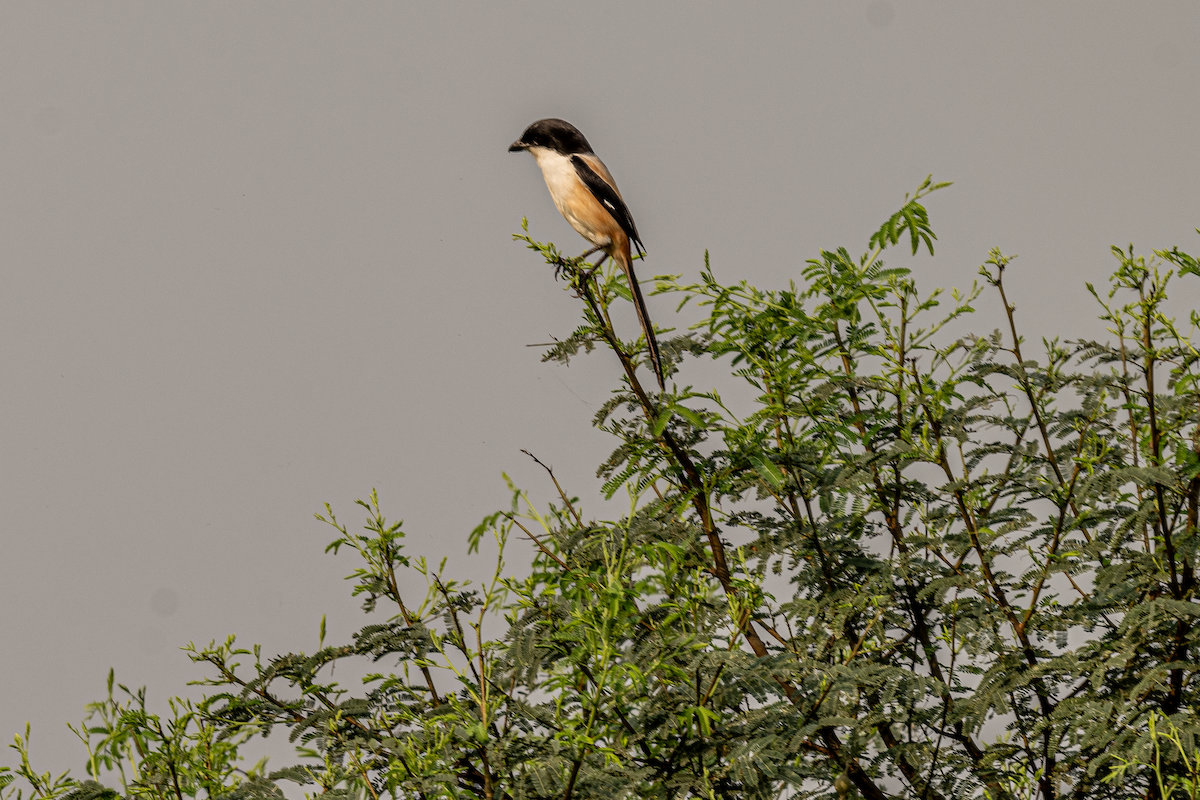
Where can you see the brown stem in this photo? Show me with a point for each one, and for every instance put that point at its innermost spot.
(1134, 445)
(571, 782)
(699, 497)
(394, 586)
(1053, 550)
(1023, 378)
(1156, 444)
(545, 550)
(782, 432)
(461, 643)
(557, 486)
(693, 482)
(892, 520)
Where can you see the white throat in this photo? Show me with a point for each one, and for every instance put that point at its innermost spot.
(558, 171)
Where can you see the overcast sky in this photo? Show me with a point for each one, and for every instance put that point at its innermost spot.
(257, 257)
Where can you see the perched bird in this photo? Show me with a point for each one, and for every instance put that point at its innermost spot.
(585, 193)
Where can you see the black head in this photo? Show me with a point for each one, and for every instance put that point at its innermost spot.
(553, 134)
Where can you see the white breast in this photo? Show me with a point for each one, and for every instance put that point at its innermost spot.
(570, 196)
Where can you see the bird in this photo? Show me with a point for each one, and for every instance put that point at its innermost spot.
(585, 193)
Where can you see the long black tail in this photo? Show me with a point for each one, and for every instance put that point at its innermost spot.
(639, 303)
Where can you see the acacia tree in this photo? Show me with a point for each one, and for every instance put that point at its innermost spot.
(917, 565)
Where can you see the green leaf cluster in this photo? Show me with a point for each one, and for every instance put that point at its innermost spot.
(916, 562)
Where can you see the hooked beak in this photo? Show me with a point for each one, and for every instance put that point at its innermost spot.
(517, 146)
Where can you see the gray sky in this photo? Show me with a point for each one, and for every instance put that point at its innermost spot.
(256, 257)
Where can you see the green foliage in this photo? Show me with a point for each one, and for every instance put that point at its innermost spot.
(1161, 742)
(920, 563)
(147, 756)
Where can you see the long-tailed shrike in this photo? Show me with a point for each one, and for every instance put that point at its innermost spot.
(585, 193)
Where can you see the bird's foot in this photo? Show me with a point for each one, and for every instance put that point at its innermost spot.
(586, 274)
(564, 266)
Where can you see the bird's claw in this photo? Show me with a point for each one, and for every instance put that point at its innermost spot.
(572, 269)
(562, 267)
